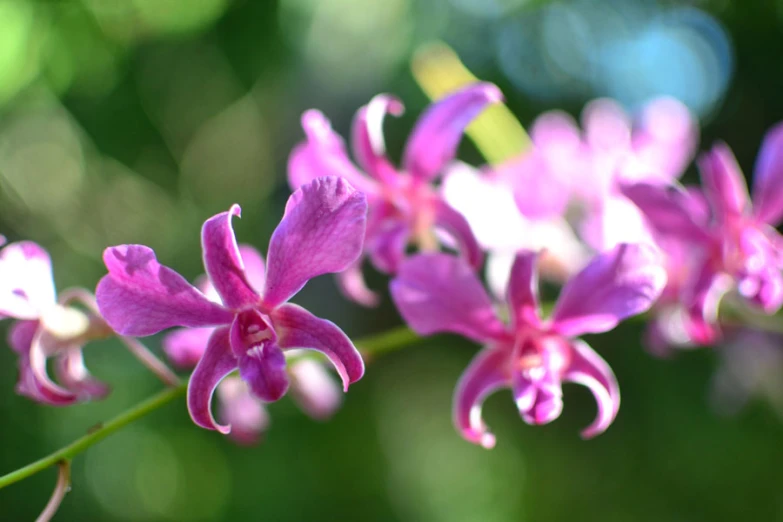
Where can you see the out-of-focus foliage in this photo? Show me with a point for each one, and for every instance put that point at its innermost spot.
(130, 122)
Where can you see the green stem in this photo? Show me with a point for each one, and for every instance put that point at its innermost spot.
(384, 342)
(104, 430)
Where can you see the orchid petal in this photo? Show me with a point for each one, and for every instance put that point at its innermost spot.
(74, 376)
(314, 390)
(667, 136)
(141, 297)
(486, 202)
(20, 338)
(538, 395)
(723, 182)
(27, 287)
(540, 190)
(298, 328)
(589, 369)
(353, 286)
(669, 210)
(485, 374)
(436, 136)
(702, 302)
(217, 362)
(606, 125)
(324, 154)
(556, 132)
(386, 247)
(263, 368)
(185, 346)
(51, 392)
(522, 292)
(322, 231)
(255, 267)
(768, 178)
(241, 410)
(441, 293)
(369, 147)
(765, 290)
(616, 284)
(223, 262)
(458, 228)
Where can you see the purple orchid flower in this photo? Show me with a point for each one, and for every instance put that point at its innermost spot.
(531, 355)
(321, 232)
(404, 206)
(734, 235)
(571, 166)
(314, 390)
(47, 328)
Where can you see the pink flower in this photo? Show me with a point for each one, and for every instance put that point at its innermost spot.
(312, 388)
(734, 236)
(47, 328)
(531, 355)
(404, 206)
(321, 232)
(568, 166)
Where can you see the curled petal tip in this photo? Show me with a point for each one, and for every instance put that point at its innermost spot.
(487, 440)
(235, 210)
(492, 92)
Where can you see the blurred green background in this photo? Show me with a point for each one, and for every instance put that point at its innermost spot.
(131, 121)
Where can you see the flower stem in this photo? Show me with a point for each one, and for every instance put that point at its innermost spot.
(79, 445)
(370, 346)
(62, 487)
(148, 359)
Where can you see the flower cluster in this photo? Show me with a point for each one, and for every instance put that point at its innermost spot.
(598, 210)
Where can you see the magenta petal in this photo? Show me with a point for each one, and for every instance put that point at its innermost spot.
(434, 141)
(768, 178)
(26, 287)
(39, 378)
(255, 267)
(441, 293)
(616, 284)
(298, 328)
(74, 376)
(314, 390)
(369, 147)
(322, 232)
(589, 369)
(702, 301)
(324, 154)
(241, 410)
(669, 210)
(723, 182)
(223, 262)
(185, 346)
(456, 226)
(141, 297)
(263, 368)
(386, 247)
(767, 290)
(522, 294)
(537, 394)
(353, 286)
(485, 374)
(539, 191)
(20, 336)
(217, 362)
